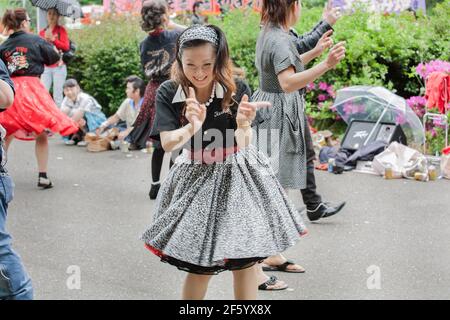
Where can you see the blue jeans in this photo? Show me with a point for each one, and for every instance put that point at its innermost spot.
(15, 284)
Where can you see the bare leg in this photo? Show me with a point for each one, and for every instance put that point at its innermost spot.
(42, 152)
(245, 284)
(8, 141)
(195, 286)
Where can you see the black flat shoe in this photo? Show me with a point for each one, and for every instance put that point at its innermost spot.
(45, 183)
(154, 191)
(323, 210)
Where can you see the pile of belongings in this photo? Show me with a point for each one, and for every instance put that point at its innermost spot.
(401, 162)
(346, 160)
(98, 143)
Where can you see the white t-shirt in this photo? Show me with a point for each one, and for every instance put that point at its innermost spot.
(128, 112)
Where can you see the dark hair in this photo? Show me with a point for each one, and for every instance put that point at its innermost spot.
(195, 6)
(223, 68)
(56, 10)
(138, 83)
(71, 83)
(152, 13)
(276, 11)
(12, 19)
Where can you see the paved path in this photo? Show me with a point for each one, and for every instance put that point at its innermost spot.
(92, 219)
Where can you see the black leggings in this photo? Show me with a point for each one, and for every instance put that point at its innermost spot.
(157, 161)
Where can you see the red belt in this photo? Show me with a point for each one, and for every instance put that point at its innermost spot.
(213, 156)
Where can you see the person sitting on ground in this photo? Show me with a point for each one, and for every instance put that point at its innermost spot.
(128, 110)
(83, 109)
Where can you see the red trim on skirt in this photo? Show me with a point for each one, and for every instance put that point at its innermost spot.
(216, 155)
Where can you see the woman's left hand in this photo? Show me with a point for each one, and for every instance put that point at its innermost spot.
(325, 42)
(247, 111)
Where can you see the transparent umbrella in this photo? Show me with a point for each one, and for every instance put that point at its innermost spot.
(379, 105)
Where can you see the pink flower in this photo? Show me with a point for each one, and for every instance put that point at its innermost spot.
(323, 86)
(424, 70)
(433, 133)
(400, 119)
(417, 104)
(310, 86)
(348, 108)
(333, 108)
(331, 92)
(438, 122)
(322, 97)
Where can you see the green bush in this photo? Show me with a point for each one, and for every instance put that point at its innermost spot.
(106, 55)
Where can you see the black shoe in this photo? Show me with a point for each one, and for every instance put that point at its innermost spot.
(323, 210)
(44, 183)
(154, 191)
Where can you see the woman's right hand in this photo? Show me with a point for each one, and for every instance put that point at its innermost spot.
(195, 112)
(336, 54)
(49, 35)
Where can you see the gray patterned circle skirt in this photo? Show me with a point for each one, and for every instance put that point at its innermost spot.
(222, 216)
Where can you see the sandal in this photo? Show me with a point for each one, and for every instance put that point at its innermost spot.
(44, 183)
(271, 282)
(283, 267)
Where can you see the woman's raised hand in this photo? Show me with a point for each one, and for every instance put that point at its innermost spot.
(324, 43)
(336, 54)
(195, 112)
(247, 111)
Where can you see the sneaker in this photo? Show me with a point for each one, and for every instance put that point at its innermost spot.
(44, 183)
(154, 191)
(82, 144)
(323, 210)
(69, 142)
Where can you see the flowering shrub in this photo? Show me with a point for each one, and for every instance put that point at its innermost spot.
(417, 104)
(435, 126)
(424, 69)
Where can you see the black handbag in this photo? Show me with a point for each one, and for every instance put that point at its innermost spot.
(69, 55)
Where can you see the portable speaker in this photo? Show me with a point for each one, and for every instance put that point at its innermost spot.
(359, 130)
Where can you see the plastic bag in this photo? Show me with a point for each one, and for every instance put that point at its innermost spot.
(401, 160)
(445, 163)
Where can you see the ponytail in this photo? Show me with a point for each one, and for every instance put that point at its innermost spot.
(12, 19)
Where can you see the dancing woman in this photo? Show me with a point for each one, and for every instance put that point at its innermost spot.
(34, 114)
(218, 206)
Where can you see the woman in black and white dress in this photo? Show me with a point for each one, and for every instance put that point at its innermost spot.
(218, 206)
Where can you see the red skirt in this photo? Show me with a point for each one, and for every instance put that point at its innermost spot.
(34, 111)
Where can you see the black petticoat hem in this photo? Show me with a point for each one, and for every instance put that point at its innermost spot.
(227, 265)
